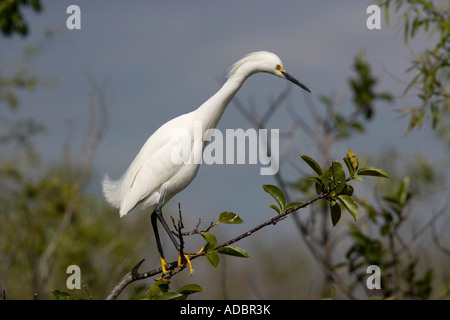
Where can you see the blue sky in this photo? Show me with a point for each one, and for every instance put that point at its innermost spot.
(164, 58)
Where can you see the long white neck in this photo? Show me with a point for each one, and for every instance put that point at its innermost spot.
(211, 111)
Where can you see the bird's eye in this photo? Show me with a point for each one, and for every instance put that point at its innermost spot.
(278, 67)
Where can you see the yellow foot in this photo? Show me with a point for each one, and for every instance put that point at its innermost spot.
(163, 265)
(188, 260)
(182, 264)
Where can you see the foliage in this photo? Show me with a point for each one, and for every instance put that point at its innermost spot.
(63, 295)
(211, 250)
(362, 86)
(18, 131)
(11, 18)
(279, 196)
(49, 217)
(400, 277)
(160, 291)
(333, 183)
(404, 275)
(432, 66)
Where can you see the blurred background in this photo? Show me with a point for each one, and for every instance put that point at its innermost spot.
(78, 104)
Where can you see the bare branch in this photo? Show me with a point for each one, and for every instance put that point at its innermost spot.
(274, 106)
(251, 117)
(422, 230)
(178, 231)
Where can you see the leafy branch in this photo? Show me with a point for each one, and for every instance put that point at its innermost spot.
(431, 66)
(331, 185)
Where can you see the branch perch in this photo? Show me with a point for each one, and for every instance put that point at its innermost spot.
(134, 275)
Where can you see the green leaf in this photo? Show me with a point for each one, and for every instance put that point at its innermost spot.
(353, 159)
(293, 205)
(230, 218)
(157, 289)
(163, 285)
(349, 166)
(318, 184)
(171, 295)
(153, 292)
(357, 126)
(325, 181)
(319, 188)
(274, 207)
(403, 191)
(327, 173)
(316, 179)
(211, 241)
(335, 210)
(406, 32)
(61, 295)
(36, 4)
(338, 176)
(371, 171)
(233, 251)
(348, 190)
(349, 204)
(277, 194)
(313, 164)
(190, 288)
(213, 258)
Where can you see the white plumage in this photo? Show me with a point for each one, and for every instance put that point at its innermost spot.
(153, 178)
(150, 170)
(153, 167)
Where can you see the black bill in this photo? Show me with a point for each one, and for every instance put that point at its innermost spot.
(293, 80)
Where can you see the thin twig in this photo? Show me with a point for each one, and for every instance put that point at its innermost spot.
(196, 230)
(85, 287)
(178, 226)
(422, 230)
(274, 106)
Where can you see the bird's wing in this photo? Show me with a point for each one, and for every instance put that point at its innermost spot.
(155, 164)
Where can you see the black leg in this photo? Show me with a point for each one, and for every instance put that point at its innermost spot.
(158, 212)
(166, 227)
(153, 218)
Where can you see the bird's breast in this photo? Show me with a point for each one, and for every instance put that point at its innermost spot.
(182, 178)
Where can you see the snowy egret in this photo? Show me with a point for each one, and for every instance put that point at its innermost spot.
(153, 178)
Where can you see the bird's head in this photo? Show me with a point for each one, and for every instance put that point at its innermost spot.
(263, 61)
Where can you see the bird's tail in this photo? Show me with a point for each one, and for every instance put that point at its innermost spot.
(112, 191)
